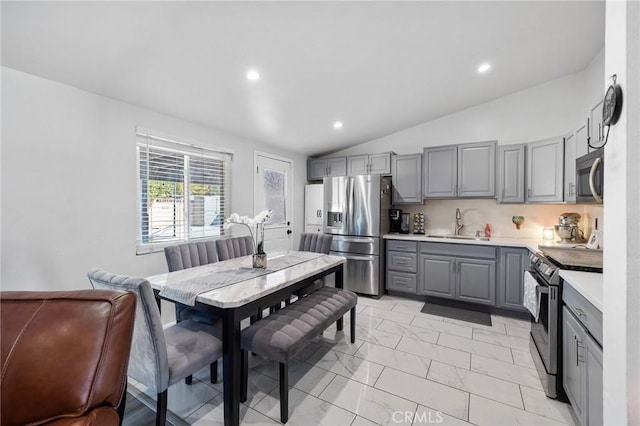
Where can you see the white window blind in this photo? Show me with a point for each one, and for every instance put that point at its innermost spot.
(184, 192)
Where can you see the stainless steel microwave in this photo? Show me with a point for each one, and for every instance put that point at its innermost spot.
(590, 177)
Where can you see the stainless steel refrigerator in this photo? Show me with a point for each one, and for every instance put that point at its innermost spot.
(357, 217)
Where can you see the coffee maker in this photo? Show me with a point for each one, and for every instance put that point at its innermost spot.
(395, 219)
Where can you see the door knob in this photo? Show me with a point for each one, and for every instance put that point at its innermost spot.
(289, 231)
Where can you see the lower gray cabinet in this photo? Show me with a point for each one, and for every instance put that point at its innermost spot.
(593, 383)
(476, 281)
(582, 370)
(401, 266)
(573, 381)
(513, 263)
(437, 277)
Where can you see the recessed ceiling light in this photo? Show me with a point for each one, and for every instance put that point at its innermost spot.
(337, 125)
(253, 75)
(484, 67)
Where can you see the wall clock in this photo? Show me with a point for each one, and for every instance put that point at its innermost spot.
(612, 105)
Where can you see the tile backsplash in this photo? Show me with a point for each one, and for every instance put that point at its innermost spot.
(440, 216)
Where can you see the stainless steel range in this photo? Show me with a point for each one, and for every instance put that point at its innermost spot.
(546, 332)
(544, 342)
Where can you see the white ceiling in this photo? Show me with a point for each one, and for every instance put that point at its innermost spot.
(379, 67)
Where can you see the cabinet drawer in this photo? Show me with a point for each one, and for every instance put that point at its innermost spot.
(588, 314)
(398, 245)
(400, 261)
(459, 250)
(400, 281)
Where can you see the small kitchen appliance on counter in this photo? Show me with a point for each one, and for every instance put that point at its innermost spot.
(404, 225)
(568, 230)
(395, 220)
(418, 223)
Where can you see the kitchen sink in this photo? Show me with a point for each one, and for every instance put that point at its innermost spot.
(459, 237)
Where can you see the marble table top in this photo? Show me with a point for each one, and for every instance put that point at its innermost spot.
(243, 292)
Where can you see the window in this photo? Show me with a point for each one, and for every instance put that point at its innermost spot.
(183, 192)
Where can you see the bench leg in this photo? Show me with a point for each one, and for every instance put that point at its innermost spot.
(353, 324)
(161, 409)
(188, 380)
(213, 372)
(284, 392)
(244, 375)
(339, 324)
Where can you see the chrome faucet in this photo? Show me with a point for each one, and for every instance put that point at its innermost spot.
(459, 224)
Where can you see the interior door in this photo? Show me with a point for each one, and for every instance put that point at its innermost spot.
(272, 190)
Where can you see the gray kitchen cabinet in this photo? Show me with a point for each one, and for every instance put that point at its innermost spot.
(476, 281)
(437, 276)
(570, 168)
(440, 172)
(406, 179)
(477, 169)
(545, 171)
(511, 161)
(458, 271)
(582, 133)
(466, 170)
(573, 337)
(402, 266)
(582, 356)
(513, 262)
(596, 128)
(318, 168)
(369, 164)
(593, 383)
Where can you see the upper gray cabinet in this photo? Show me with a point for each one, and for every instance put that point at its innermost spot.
(326, 167)
(582, 133)
(369, 164)
(545, 171)
(460, 170)
(406, 179)
(440, 172)
(511, 161)
(570, 168)
(596, 128)
(477, 169)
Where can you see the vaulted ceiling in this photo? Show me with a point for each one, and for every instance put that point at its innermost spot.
(378, 67)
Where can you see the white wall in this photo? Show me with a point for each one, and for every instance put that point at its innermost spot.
(621, 328)
(69, 182)
(548, 110)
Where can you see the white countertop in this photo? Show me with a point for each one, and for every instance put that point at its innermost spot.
(588, 284)
(531, 244)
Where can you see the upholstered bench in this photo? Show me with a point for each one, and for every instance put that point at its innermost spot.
(282, 335)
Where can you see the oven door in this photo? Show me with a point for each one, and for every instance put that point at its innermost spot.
(544, 331)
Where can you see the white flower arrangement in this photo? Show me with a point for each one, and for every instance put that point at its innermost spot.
(258, 222)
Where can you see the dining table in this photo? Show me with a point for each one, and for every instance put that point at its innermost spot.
(233, 290)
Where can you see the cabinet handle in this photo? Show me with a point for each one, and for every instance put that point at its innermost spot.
(455, 190)
(528, 192)
(577, 356)
(502, 197)
(580, 312)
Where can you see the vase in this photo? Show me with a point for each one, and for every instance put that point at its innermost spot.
(260, 260)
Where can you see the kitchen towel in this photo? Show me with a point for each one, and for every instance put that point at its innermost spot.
(531, 298)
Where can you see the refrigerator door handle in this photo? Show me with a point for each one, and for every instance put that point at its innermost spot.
(350, 206)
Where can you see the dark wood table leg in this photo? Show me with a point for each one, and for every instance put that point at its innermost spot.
(231, 367)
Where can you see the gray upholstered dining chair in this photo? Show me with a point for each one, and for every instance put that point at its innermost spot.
(161, 357)
(229, 248)
(189, 255)
(318, 243)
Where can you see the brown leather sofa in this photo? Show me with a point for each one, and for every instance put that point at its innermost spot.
(64, 356)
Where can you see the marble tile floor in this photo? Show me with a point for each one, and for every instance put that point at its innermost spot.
(405, 368)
